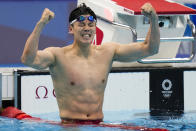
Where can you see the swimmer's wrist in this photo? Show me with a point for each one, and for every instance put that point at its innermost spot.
(41, 23)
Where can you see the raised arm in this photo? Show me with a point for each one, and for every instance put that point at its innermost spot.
(136, 51)
(33, 57)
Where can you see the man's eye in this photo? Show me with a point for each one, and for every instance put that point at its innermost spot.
(91, 24)
(81, 24)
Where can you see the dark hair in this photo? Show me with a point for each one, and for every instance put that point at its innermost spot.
(82, 9)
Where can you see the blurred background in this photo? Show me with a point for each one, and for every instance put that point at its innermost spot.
(18, 18)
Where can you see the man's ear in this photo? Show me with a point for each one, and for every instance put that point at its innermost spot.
(70, 29)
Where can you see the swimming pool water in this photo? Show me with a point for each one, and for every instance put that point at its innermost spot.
(187, 122)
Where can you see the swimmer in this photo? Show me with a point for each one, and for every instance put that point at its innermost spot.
(80, 71)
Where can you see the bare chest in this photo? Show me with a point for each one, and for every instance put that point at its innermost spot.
(76, 71)
(91, 72)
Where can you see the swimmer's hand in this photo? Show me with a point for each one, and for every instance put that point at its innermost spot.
(47, 15)
(148, 11)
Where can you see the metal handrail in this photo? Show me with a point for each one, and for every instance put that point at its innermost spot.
(134, 32)
(176, 60)
(186, 38)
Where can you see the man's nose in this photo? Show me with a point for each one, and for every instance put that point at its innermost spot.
(86, 28)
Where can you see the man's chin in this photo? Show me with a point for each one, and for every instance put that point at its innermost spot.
(86, 41)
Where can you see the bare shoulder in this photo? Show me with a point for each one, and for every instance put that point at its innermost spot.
(57, 50)
(109, 46)
(52, 49)
(108, 49)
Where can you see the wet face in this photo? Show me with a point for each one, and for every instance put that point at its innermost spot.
(83, 30)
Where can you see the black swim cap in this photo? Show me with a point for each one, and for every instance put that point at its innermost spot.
(82, 9)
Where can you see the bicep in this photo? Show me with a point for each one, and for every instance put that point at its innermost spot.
(130, 52)
(43, 59)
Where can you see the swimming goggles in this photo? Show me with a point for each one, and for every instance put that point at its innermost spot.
(83, 18)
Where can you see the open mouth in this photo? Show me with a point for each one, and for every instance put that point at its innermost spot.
(86, 36)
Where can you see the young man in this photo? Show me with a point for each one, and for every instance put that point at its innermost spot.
(80, 71)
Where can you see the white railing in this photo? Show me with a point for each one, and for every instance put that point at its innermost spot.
(175, 60)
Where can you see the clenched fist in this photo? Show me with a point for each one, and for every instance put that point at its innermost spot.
(148, 10)
(47, 15)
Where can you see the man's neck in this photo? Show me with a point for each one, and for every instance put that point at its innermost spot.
(82, 49)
